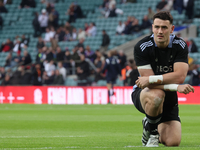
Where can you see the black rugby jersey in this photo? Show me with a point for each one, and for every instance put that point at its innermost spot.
(146, 52)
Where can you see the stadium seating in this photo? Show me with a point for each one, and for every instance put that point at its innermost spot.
(19, 21)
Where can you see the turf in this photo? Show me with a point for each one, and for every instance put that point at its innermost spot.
(58, 127)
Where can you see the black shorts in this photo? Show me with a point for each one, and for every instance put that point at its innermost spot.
(169, 113)
(111, 80)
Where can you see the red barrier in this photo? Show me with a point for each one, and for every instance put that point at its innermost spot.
(76, 95)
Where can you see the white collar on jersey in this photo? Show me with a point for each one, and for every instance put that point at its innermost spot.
(172, 36)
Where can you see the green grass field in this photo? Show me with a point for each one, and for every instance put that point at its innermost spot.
(28, 127)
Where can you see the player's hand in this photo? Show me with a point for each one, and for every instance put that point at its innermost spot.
(185, 88)
(142, 82)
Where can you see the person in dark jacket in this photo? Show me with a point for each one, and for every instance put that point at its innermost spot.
(37, 75)
(36, 26)
(83, 71)
(105, 41)
(27, 4)
(113, 69)
(3, 9)
(192, 48)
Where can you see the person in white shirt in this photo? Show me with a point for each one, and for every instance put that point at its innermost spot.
(92, 31)
(49, 67)
(43, 20)
(49, 34)
(62, 70)
(81, 34)
(120, 28)
(74, 35)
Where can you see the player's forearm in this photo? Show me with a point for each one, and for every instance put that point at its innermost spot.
(166, 87)
(169, 78)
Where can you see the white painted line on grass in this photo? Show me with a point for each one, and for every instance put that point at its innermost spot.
(71, 136)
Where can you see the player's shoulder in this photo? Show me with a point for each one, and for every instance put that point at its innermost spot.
(179, 42)
(145, 43)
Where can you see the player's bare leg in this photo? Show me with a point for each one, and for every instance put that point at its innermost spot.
(152, 103)
(170, 133)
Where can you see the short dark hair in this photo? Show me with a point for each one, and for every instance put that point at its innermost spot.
(163, 15)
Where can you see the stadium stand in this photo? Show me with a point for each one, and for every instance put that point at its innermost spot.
(19, 21)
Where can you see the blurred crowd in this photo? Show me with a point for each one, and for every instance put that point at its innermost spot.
(53, 64)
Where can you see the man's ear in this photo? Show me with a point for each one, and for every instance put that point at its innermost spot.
(172, 29)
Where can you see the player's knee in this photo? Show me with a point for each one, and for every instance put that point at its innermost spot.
(171, 142)
(157, 98)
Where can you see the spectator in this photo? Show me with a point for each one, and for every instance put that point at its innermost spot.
(6, 81)
(37, 75)
(81, 34)
(92, 31)
(127, 29)
(178, 5)
(189, 7)
(40, 42)
(111, 3)
(78, 11)
(115, 11)
(105, 41)
(88, 53)
(146, 24)
(58, 79)
(49, 67)
(25, 76)
(55, 18)
(41, 56)
(49, 54)
(169, 5)
(62, 70)
(81, 43)
(81, 51)
(69, 27)
(49, 34)
(74, 36)
(3, 9)
(43, 20)
(6, 47)
(150, 14)
(99, 63)
(83, 71)
(70, 12)
(18, 46)
(160, 5)
(60, 34)
(67, 63)
(195, 76)
(67, 36)
(104, 3)
(122, 59)
(8, 60)
(24, 40)
(86, 27)
(2, 73)
(27, 4)
(26, 59)
(16, 60)
(135, 27)
(75, 59)
(120, 28)
(36, 25)
(192, 47)
(49, 7)
(59, 54)
(1, 23)
(134, 74)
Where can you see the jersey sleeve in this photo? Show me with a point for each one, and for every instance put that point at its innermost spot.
(182, 52)
(141, 56)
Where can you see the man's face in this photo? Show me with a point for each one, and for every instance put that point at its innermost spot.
(162, 30)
